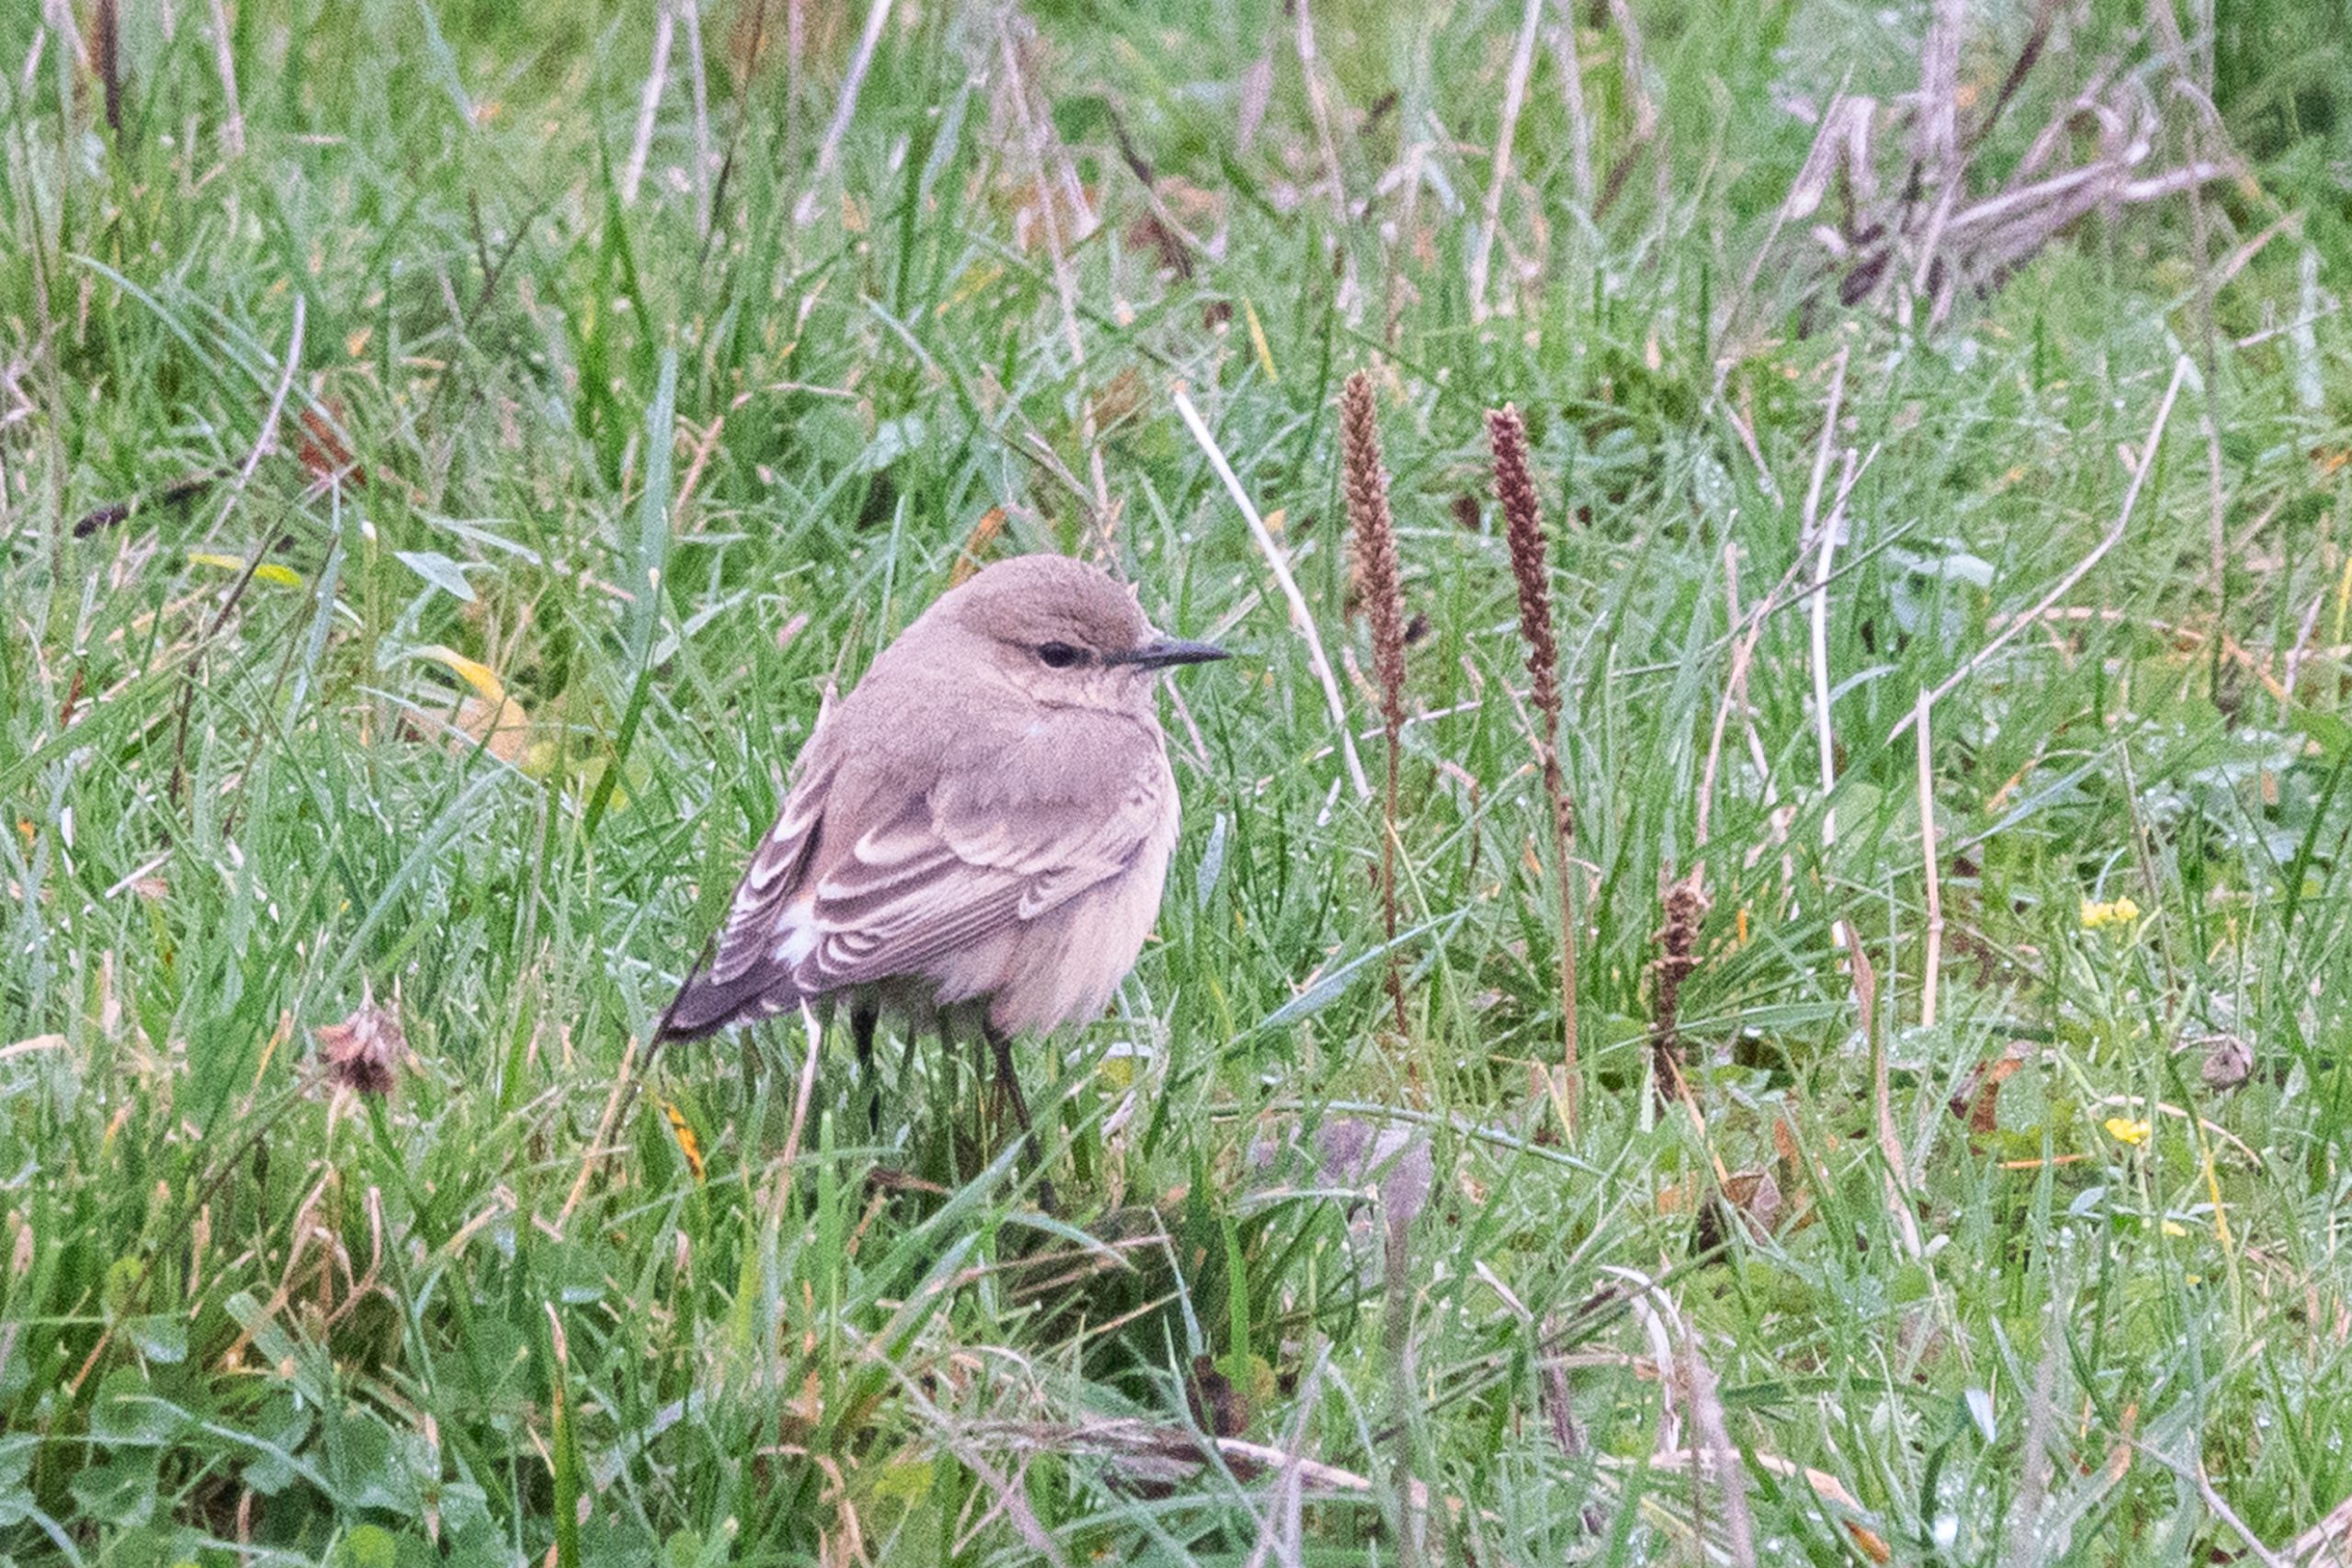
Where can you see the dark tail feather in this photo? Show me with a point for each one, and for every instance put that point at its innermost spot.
(704, 1006)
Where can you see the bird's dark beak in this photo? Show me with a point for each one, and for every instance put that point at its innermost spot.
(1162, 653)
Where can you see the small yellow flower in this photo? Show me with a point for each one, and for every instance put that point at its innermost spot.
(2125, 1130)
(2121, 912)
(2173, 1228)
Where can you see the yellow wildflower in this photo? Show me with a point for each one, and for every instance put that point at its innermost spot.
(2124, 1129)
(2121, 912)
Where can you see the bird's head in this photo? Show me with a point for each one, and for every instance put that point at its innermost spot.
(1065, 632)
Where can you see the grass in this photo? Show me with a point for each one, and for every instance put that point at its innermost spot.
(484, 727)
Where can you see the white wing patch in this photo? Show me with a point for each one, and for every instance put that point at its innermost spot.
(795, 932)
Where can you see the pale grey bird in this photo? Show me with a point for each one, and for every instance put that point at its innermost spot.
(976, 835)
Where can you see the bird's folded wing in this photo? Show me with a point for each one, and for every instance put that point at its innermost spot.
(738, 977)
(1058, 848)
(834, 898)
(954, 868)
(775, 872)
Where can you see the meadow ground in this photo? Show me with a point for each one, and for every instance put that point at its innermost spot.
(445, 458)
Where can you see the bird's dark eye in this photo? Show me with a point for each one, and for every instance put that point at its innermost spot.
(1059, 656)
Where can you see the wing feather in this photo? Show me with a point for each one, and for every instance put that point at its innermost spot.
(739, 976)
(996, 839)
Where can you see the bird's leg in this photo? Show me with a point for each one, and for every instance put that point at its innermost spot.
(863, 1016)
(1008, 1085)
(1001, 1045)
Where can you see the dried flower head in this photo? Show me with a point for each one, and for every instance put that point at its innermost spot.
(1380, 588)
(1530, 561)
(1531, 572)
(1686, 906)
(364, 1052)
(1379, 579)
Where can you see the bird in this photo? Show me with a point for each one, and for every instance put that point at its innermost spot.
(975, 838)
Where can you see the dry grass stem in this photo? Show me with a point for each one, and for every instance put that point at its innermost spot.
(1522, 62)
(1648, 126)
(1822, 533)
(264, 441)
(1890, 1143)
(877, 16)
(1059, 195)
(699, 80)
(1563, 38)
(1531, 569)
(1932, 239)
(625, 1084)
(1134, 1439)
(1750, 627)
(1318, 104)
(1300, 620)
(649, 104)
(800, 1097)
(2327, 1544)
(2192, 1470)
(1932, 969)
(1711, 1436)
(1282, 1532)
(1937, 145)
(1840, 145)
(2206, 120)
(1824, 737)
(1410, 177)
(2042, 1423)
(1380, 586)
(1397, 1290)
(1734, 698)
(224, 58)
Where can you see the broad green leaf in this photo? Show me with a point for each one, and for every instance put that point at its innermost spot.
(127, 1413)
(118, 1490)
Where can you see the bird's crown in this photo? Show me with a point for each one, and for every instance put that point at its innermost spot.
(1031, 600)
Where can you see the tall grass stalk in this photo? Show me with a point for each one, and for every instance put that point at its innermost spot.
(1380, 591)
(1531, 569)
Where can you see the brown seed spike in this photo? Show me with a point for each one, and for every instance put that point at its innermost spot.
(1379, 579)
(1531, 572)
(1685, 905)
(1380, 588)
(1529, 562)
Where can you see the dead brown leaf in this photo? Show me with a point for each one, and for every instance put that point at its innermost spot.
(502, 727)
(2229, 1062)
(1746, 1198)
(1977, 1100)
(321, 451)
(974, 555)
(1166, 246)
(1118, 398)
(1222, 1410)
